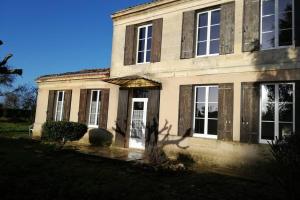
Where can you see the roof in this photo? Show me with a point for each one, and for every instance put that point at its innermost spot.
(134, 81)
(103, 72)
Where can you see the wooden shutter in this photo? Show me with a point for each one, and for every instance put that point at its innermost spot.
(67, 105)
(82, 106)
(157, 26)
(104, 108)
(121, 125)
(130, 45)
(250, 113)
(251, 25)
(188, 35)
(297, 108)
(297, 22)
(51, 105)
(152, 116)
(227, 28)
(225, 115)
(185, 120)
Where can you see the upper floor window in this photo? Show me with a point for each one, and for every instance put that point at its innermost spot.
(144, 43)
(277, 27)
(59, 106)
(208, 33)
(94, 108)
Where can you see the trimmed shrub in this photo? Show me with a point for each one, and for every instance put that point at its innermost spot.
(63, 131)
(100, 137)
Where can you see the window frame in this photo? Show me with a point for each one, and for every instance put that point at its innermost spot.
(56, 105)
(146, 44)
(276, 110)
(205, 134)
(209, 12)
(98, 106)
(276, 29)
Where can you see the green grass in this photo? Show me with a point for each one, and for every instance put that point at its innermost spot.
(32, 170)
(14, 129)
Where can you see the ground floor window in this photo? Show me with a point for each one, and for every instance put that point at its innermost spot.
(94, 108)
(277, 111)
(206, 111)
(59, 105)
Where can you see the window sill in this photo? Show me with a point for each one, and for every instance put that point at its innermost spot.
(197, 135)
(207, 56)
(281, 47)
(93, 126)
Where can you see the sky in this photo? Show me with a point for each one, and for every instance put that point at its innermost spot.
(54, 36)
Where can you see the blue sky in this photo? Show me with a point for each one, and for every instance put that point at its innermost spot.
(53, 36)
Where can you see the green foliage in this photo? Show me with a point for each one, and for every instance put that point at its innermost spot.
(63, 131)
(100, 137)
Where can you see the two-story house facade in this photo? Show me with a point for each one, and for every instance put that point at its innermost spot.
(204, 76)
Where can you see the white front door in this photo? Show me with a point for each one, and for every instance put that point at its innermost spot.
(138, 123)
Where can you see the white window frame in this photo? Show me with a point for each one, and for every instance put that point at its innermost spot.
(96, 125)
(276, 31)
(208, 40)
(205, 134)
(146, 44)
(276, 110)
(62, 107)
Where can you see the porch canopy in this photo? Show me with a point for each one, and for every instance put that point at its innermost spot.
(134, 81)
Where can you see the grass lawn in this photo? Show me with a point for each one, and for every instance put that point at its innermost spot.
(14, 129)
(31, 170)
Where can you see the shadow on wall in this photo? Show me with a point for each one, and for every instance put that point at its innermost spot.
(100, 137)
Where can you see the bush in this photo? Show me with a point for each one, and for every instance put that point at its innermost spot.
(100, 137)
(63, 131)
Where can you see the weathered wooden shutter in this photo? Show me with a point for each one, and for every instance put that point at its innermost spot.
(185, 110)
(67, 105)
(157, 27)
(225, 115)
(121, 125)
(297, 108)
(297, 22)
(227, 28)
(251, 25)
(188, 35)
(152, 116)
(51, 105)
(130, 45)
(82, 106)
(250, 113)
(104, 108)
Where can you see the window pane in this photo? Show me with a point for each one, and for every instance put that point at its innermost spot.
(268, 7)
(202, 20)
(286, 37)
(268, 112)
(92, 119)
(93, 106)
(286, 20)
(215, 17)
(267, 130)
(212, 110)
(140, 57)
(285, 93)
(94, 96)
(201, 48)
(285, 112)
(212, 127)
(202, 34)
(150, 31)
(213, 94)
(149, 44)
(142, 33)
(268, 40)
(138, 106)
(285, 5)
(214, 47)
(268, 93)
(60, 96)
(200, 110)
(200, 96)
(141, 45)
(285, 129)
(215, 32)
(268, 23)
(148, 56)
(199, 126)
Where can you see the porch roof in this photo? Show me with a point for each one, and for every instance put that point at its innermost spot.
(134, 81)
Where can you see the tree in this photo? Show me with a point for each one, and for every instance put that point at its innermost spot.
(4, 69)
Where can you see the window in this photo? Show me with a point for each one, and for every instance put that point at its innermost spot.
(206, 111)
(59, 105)
(277, 26)
(208, 33)
(94, 108)
(144, 44)
(277, 115)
